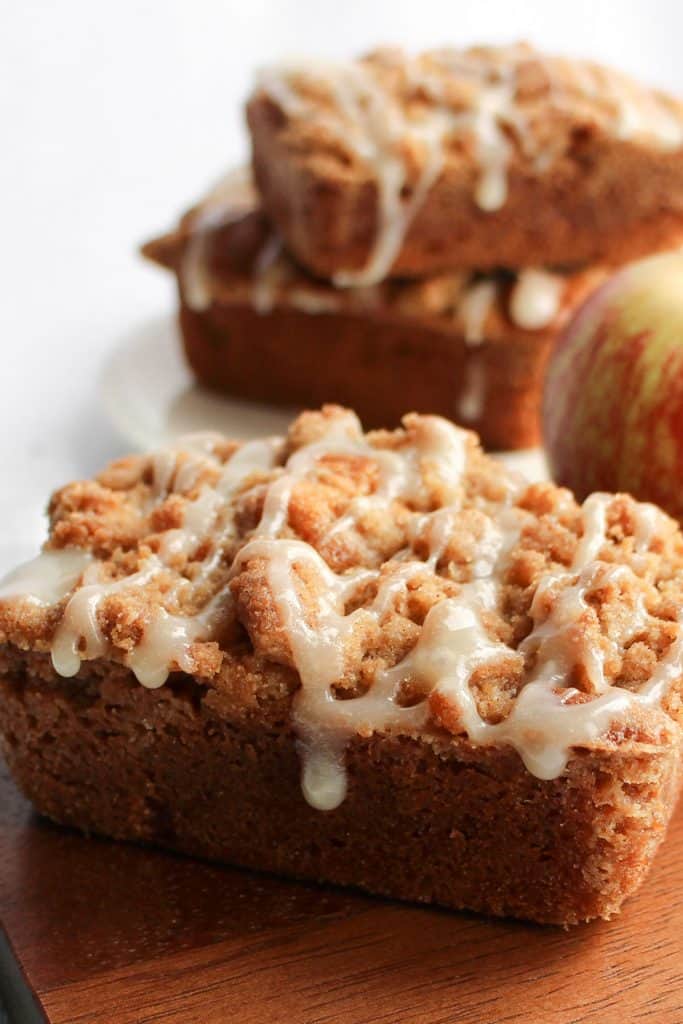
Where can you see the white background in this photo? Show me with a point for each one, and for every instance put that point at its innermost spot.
(113, 116)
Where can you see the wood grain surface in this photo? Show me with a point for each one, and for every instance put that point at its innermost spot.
(106, 932)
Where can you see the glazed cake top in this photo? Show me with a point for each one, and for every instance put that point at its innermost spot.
(410, 581)
(400, 118)
(225, 250)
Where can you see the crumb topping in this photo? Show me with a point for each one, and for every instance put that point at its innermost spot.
(409, 581)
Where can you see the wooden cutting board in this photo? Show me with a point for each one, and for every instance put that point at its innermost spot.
(105, 932)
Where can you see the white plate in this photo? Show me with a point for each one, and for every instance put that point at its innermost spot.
(151, 398)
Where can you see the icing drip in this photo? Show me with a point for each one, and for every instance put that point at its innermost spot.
(379, 130)
(382, 129)
(474, 308)
(535, 299)
(48, 578)
(325, 724)
(167, 638)
(544, 724)
(167, 642)
(318, 653)
(198, 519)
(452, 645)
(471, 402)
(594, 526)
(79, 634)
(647, 518)
(492, 108)
(228, 202)
(268, 275)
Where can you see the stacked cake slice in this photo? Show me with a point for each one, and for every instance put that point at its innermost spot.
(420, 230)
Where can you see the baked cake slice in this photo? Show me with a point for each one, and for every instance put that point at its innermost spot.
(486, 157)
(374, 659)
(462, 344)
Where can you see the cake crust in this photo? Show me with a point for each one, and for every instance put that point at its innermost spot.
(531, 161)
(424, 636)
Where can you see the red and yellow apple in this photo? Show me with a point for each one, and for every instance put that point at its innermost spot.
(613, 398)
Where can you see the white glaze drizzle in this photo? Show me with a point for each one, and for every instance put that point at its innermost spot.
(535, 299)
(454, 643)
(47, 578)
(230, 200)
(79, 635)
(167, 641)
(269, 273)
(474, 307)
(492, 108)
(472, 398)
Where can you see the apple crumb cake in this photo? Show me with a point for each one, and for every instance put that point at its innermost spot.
(485, 157)
(381, 660)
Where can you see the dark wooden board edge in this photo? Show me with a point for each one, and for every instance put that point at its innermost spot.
(17, 998)
(113, 933)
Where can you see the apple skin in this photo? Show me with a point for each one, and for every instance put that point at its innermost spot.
(613, 398)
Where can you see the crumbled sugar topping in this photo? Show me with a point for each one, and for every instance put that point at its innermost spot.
(399, 117)
(412, 583)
